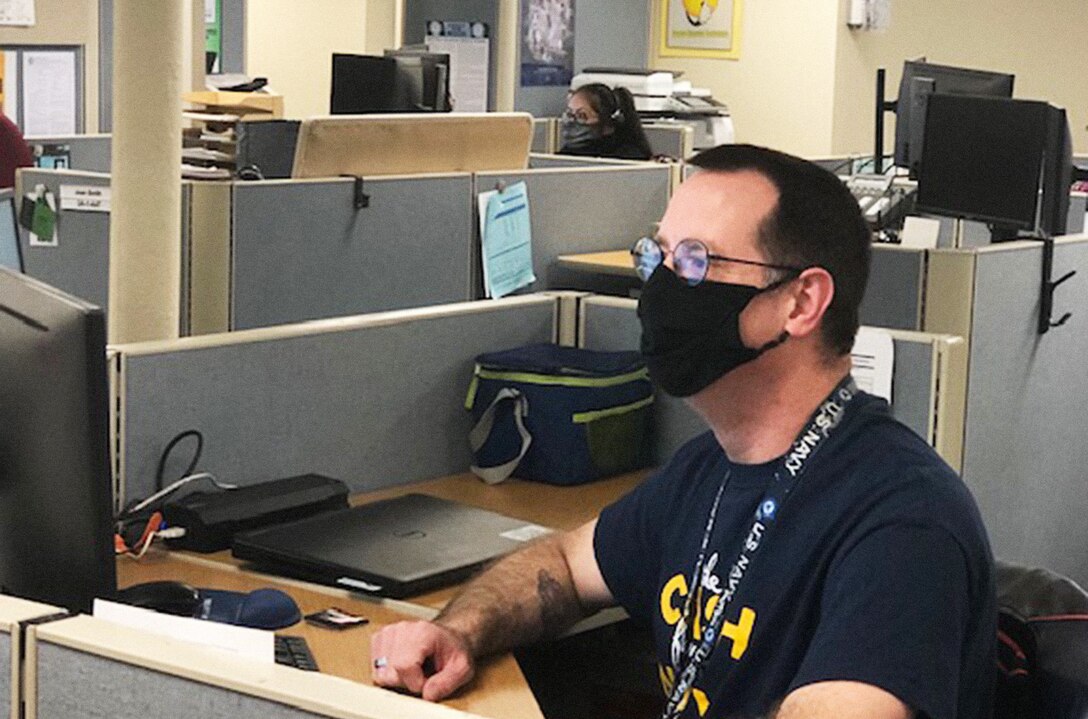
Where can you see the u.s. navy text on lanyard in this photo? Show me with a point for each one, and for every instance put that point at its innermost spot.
(687, 657)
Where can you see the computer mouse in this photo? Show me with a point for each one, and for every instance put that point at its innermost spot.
(167, 597)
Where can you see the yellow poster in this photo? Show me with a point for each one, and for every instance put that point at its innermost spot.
(700, 28)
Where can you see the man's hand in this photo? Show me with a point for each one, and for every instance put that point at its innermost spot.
(424, 658)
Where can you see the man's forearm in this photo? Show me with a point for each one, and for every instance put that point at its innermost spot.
(525, 597)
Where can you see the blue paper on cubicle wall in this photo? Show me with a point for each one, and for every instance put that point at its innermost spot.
(506, 240)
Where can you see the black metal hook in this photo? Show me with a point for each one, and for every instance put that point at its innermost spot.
(360, 200)
(1049, 286)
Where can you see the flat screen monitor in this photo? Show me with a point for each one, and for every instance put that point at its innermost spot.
(56, 538)
(988, 159)
(422, 80)
(11, 254)
(920, 80)
(363, 84)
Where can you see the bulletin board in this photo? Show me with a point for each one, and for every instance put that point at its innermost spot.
(700, 28)
(43, 88)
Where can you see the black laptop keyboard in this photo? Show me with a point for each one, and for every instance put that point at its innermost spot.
(295, 652)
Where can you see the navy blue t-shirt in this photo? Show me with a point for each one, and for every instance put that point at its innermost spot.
(878, 570)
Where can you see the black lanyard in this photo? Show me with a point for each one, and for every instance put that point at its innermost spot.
(792, 466)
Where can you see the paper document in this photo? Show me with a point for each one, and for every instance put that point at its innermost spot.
(506, 239)
(256, 644)
(84, 198)
(49, 92)
(874, 360)
(468, 70)
(11, 84)
(17, 12)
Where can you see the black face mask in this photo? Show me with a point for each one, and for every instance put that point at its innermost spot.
(691, 335)
(576, 134)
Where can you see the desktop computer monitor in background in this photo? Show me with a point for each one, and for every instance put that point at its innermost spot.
(56, 535)
(11, 254)
(362, 84)
(995, 160)
(422, 80)
(921, 80)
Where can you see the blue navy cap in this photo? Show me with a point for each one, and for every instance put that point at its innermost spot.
(260, 609)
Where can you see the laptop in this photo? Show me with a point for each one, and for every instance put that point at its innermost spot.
(394, 548)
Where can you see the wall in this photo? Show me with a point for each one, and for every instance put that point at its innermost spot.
(66, 22)
(780, 92)
(291, 43)
(1043, 43)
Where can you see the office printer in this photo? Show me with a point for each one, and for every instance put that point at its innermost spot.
(661, 97)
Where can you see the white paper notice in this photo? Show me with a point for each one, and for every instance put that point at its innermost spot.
(84, 198)
(874, 360)
(468, 70)
(256, 644)
(17, 12)
(11, 84)
(209, 11)
(49, 93)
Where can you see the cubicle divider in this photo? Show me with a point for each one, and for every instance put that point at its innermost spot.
(303, 250)
(545, 135)
(586, 210)
(374, 401)
(90, 153)
(13, 613)
(671, 140)
(1025, 451)
(79, 261)
(538, 161)
(927, 382)
(85, 666)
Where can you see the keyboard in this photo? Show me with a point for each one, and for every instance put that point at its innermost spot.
(295, 652)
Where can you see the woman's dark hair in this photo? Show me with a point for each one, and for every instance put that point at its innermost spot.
(616, 109)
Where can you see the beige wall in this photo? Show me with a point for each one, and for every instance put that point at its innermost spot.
(1044, 43)
(291, 43)
(66, 22)
(780, 91)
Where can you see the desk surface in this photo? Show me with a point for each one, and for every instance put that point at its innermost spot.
(615, 262)
(500, 689)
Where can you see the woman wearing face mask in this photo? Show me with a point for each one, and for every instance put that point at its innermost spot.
(602, 122)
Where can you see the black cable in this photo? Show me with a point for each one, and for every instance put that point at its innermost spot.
(170, 448)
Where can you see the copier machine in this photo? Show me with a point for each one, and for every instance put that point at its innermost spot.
(662, 98)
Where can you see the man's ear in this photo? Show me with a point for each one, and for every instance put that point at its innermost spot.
(812, 293)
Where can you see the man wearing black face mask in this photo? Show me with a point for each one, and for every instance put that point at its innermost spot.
(808, 556)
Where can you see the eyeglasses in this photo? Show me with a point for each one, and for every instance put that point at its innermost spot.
(690, 258)
(578, 116)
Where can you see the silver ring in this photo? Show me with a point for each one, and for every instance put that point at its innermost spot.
(380, 662)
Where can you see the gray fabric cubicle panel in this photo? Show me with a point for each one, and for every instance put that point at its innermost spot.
(90, 153)
(79, 264)
(552, 162)
(893, 297)
(5, 674)
(1025, 455)
(302, 251)
(586, 210)
(613, 325)
(668, 141)
(374, 406)
(542, 135)
(79, 684)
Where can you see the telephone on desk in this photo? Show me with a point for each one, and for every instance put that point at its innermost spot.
(884, 202)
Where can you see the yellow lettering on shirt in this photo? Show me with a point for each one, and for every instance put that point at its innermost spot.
(670, 612)
(740, 633)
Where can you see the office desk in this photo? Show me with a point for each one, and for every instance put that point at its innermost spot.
(615, 262)
(500, 689)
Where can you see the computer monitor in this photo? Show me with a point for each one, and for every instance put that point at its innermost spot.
(996, 160)
(11, 253)
(56, 538)
(422, 82)
(363, 84)
(920, 80)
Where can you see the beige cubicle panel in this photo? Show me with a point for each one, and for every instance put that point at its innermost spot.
(402, 144)
(13, 612)
(84, 666)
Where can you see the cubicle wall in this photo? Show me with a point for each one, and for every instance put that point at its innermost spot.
(545, 134)
(90, 153)
(895, 294)
(13, 612)
(79, 263)
(586, 210)
(673, 141)
(84, 666)
(301, 250)
(374, 401)
(927, 383)
(1025, 453)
